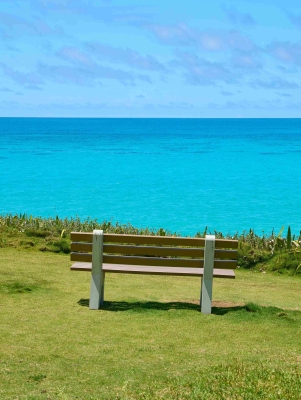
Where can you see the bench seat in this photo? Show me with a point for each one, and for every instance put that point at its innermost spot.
(142, 269)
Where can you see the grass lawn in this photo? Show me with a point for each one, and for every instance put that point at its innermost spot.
(150, 340)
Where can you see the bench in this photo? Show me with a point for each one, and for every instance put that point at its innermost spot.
(104, 253)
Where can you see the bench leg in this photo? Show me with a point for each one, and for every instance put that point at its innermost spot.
(102, 293)
(97, 278)
(207, 279)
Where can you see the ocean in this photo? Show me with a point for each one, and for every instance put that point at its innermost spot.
(183, 175)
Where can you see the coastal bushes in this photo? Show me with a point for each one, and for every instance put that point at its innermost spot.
(260, 253)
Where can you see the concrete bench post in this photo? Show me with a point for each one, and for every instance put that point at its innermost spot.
(98, 276)
(207, 279)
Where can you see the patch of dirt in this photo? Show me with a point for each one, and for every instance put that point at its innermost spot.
(220, 304)
(226, 304)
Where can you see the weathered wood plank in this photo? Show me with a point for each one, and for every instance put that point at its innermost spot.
(81, 266)
(142, 269)
(225, 264)
(166, 262)
(161, 240)
(151, 240)
(154, 251)
(154, 261)
(226, 244)
(82, 257)
(166, 251)
(81, 236)
(77, 246)
(226, 254)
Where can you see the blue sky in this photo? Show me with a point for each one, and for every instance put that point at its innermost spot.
(151, 58)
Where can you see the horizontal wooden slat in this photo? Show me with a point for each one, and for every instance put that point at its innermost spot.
(217, 273)
(166, 262)
(132, 260)
(225, 264)
(167, 251)
(161, 240)
(86, 247)
(139, 239)
(153, 261)
(126, 269)
(83, 257)
(153, 240)
(168, 240)
(81, 236)
(142, 269)
(226, 254)
(226, 244)
(153, 251)
(81, 266)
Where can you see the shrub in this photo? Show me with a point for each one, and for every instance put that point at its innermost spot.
(37, 233)
(61, 246)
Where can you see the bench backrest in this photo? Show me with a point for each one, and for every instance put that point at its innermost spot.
(165, 251)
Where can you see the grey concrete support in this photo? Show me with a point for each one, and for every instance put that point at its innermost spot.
(97, 277)
(207, 280)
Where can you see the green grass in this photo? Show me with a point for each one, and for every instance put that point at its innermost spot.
(150, 340)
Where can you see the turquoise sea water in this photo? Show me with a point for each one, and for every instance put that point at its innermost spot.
(179, 174)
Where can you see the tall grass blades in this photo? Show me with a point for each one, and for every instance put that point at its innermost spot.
(262, 252)
(289, 238)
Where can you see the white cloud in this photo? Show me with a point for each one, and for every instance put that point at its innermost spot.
(125, 56)
(286, 52)
(238, 18)
(16, 26)
(29, 80)
(81, 76)
(199, 71)
(250, 62)
(74, 55)
(274, 83)
(181, 35)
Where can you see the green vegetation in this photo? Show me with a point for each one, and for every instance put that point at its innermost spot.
(149, 341)
(261, 253)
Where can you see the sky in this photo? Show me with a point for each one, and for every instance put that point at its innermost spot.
(150, 58)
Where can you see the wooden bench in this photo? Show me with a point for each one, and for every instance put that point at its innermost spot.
(104, 253)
